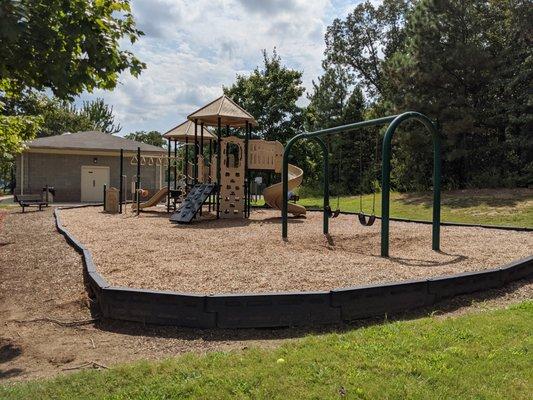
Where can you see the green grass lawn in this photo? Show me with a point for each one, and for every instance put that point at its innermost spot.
(509, 207)
(486, 355)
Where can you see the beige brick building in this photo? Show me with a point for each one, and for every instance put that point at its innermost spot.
(77, 165)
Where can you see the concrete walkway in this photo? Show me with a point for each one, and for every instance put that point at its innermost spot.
(6, 200)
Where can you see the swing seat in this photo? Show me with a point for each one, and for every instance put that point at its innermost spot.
(331, 213)
(366, 222)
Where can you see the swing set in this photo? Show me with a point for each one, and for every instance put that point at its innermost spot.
(393, 122)
(364, 219)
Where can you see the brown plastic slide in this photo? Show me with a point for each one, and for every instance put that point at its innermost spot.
(273, 195)
(154, 200)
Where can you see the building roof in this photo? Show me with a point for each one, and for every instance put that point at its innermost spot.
(229, 112)
(91, 140)
(186, 130)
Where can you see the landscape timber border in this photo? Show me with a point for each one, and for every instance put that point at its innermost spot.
(271, 310)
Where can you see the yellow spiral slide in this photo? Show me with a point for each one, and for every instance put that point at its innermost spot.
(273, 195)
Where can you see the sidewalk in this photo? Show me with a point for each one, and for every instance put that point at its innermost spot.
(6, 199)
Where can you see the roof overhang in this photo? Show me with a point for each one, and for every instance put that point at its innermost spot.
(224, 111)
(90, 152)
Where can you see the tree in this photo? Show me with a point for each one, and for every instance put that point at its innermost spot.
(328, 99)
(459, 66)
(512, 42)
(60, 116)
(14, 131)
(270, 95)
(333, 102)
(365, 39)
(466, 64)
(66, 46)
(153, 137)
(100, 115)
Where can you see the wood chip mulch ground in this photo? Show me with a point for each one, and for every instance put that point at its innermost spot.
(236, 256)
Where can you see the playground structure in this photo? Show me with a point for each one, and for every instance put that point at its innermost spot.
(219, 174)
(215, 169)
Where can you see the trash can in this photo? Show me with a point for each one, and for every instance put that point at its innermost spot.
(49, 193)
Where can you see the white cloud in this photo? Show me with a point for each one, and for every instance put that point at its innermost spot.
(192, 48)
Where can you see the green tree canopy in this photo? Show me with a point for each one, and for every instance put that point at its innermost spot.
(466, 64)
(335, 101)
(59, 116)
(100, 115)
(66, 46)
(270, 94)
(152, 137)
(365, 39)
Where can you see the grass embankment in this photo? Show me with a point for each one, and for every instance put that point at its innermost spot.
(506, 207)
(479, 356)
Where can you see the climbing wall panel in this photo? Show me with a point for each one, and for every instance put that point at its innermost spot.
(232, 178)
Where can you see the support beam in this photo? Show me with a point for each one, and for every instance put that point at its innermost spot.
(246, 172)
(168, 175)
(121, 179)
(219, 155)
(186, 162)
(195, 164)
(138, 179)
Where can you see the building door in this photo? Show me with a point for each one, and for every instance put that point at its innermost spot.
(93, 180)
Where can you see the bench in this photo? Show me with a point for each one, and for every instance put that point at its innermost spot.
(31, 200)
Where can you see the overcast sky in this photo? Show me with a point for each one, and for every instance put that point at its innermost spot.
(192, 48)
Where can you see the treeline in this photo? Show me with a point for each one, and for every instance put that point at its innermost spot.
(467, 64)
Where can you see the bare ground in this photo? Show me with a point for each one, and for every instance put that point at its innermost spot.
(41, 277)
(236, 256)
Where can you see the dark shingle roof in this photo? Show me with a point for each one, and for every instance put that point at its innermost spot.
(91, 140)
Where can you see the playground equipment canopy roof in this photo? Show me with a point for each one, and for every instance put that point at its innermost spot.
(185, 130)
(227, 110)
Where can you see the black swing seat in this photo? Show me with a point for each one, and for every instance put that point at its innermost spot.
(331, 213)
(366, 222)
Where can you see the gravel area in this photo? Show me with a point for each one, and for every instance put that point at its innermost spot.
(236, 256)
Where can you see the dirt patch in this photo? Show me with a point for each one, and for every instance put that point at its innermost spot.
(41, 277)
(236, 256)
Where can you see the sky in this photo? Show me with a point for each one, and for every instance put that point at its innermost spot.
(193, 48)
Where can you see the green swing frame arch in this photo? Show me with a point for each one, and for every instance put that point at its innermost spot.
(394, 121)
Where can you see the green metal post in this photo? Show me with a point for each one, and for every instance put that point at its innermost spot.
(285, 182)
(246, 172)
(168, 175)
(385, 179)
